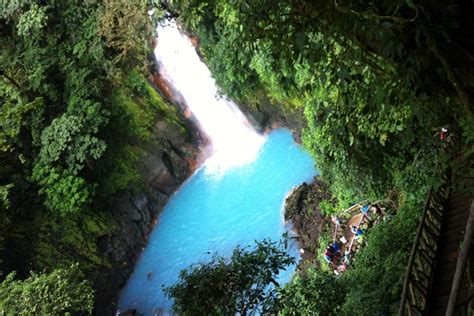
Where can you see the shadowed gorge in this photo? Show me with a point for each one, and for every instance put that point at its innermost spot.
(228, 201)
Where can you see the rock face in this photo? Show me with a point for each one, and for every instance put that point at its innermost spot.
(266, 115)
(302, 209)
(169, 158)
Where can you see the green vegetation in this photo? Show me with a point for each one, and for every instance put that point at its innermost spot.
(351, 72)
(74, 106)
(60, 292)
(375, 83)
(315, 293)
(246, 282)
(379, 268)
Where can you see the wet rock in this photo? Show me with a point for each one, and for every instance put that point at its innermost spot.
(166, 182)
(140, 201)
(130, 312)
(179, 166)
(294, 203)
(306, 254)
(134, 214)
(266, 115)
(167, 161)
(147, 214)
(297, 224)
(152, 167)
(118, 254)
(171, 132)
(302, 209)
(159, 200)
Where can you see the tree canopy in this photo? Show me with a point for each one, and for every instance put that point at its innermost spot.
(67, 142)
(315, 293)
(245, 283)
(373, 82)
(57, 293)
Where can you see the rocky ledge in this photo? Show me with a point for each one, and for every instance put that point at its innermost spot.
(303, 210)
(267, 115)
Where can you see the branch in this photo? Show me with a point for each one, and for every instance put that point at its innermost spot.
(11, 80)
(463, 96)
(369, 15)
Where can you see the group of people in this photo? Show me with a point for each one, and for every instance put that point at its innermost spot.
(336, 257)
(334, 253)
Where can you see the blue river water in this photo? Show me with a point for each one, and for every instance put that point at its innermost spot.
(215, 213)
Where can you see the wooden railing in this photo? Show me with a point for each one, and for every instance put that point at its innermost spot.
(421, 264)
(420, 268)
(461, 267)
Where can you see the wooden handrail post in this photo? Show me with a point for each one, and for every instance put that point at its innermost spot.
(461, 264)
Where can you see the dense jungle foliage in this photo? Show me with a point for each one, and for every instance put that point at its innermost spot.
(375, 82)
(74, 106)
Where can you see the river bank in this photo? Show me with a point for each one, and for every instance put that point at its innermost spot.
(302, 208)
(168, 159)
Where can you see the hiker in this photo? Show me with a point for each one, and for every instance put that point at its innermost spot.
(328, 254)
(376, 210)
(342, 267)
(357, 231)
(336, 220)
(336, 251)
(364, 209)
(443, 133)
(335, 247)
(347, 258)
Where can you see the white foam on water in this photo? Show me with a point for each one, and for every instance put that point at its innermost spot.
(234, 141)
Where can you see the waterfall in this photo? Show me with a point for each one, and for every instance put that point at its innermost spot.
(234, 142)
(235, 199)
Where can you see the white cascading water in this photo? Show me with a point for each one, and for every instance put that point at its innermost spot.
(234, 141)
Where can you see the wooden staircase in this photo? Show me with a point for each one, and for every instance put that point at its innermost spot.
(453, 228)
(432, 281)
(440, 272)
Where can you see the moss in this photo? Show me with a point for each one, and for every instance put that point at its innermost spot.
(124, 171)
(165, 109)
(137, 107)
(95, 226)
(290, 104)
(324, 239)
(137, 116)
(64, 240)
(143, 105)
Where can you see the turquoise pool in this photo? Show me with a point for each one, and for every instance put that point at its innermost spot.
(215, 213)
